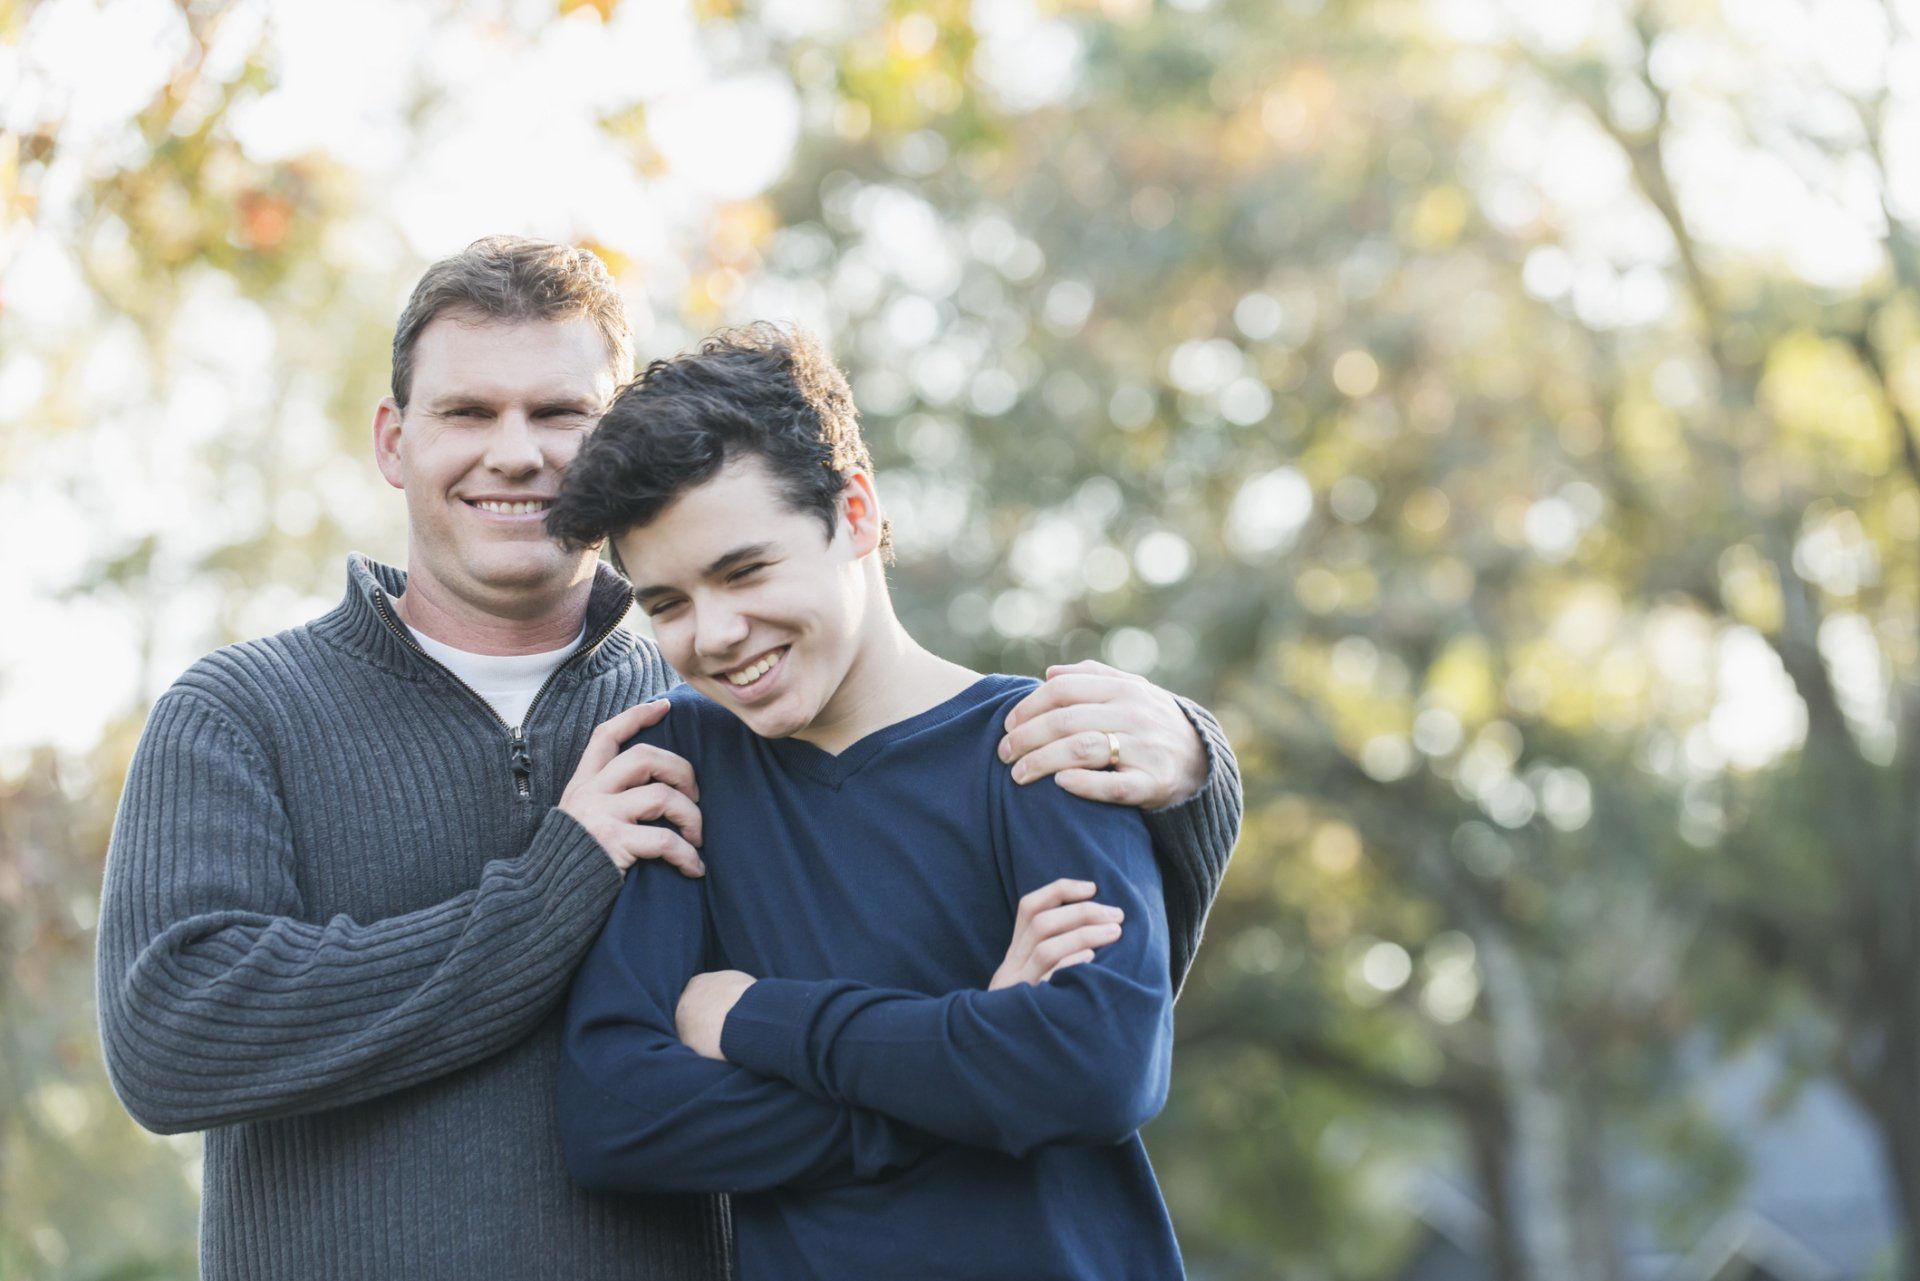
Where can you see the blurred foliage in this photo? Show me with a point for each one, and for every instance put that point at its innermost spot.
(1552, 567)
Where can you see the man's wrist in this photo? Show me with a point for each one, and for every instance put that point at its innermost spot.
(1203, 770)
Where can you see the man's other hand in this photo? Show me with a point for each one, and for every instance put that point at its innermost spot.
(616, 795)
(704, 1005)
(1056, 927)
(1072, 725)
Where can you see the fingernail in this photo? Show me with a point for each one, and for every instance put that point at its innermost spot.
(1020, 773)
(1110, 931)
(1006, 751)
(1116, 914)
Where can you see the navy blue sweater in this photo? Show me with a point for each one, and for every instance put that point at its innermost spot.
(881, 1114)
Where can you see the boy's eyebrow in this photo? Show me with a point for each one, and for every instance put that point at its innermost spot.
(720, 565)
(723, 563)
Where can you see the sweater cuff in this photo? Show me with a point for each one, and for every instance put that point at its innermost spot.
(766, 1030)
(572, 873)
(1193, 840)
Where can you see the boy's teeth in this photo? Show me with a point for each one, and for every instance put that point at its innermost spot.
(748, 675)
(513, 509)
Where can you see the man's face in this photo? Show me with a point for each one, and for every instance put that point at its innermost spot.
(751, 602)
(495, 413)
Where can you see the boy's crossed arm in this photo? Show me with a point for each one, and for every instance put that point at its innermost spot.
(1084, 1058)
(640, 1111)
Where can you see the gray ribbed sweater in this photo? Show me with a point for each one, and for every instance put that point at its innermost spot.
(340, 916)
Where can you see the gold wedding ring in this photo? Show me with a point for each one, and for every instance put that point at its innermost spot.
(1113, 750)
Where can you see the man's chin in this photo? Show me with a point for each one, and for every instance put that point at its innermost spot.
(541, 572)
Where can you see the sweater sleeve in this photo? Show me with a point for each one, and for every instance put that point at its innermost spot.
(1084, 1058)
(640, 1112)
(220, 1001)
(1193, 840)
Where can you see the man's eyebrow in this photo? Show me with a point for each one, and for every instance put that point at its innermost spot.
(457, 400)
(720, 565)
(581, 404)
(573, 404)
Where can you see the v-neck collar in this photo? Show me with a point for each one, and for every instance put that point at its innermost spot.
(835, 769)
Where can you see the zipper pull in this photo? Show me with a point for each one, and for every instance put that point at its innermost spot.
(521, 759)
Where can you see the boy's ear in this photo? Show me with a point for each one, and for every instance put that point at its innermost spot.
(860, 512)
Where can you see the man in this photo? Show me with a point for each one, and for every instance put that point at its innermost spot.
(879, 1101)
(356, 863)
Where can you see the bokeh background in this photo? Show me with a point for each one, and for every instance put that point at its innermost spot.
(1503, 412)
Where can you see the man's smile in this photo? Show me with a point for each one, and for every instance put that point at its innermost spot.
(518, 509)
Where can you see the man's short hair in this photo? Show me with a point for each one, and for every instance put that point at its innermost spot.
(512, 279)
(760, 390)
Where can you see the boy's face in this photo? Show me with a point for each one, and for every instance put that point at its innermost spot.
(750, 601)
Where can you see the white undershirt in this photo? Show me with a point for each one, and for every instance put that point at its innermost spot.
(507, 681)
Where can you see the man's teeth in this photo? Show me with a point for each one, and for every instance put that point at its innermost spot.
(748, 675)
(513, 509)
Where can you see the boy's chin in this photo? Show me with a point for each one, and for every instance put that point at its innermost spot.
(772, 720)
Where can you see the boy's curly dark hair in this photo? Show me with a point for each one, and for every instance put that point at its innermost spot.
(761, 389)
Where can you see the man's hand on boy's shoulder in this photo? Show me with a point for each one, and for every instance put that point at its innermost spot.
(1106, 735)
(617, 795)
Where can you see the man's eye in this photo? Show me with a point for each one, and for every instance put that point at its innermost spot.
(745, 571)
(660, 608)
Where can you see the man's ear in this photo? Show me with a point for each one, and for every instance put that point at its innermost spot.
(860, 512)
(386, 442)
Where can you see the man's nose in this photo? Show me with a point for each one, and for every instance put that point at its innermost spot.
(512, 447)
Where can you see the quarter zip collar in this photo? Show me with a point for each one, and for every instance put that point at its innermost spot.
(359, 622)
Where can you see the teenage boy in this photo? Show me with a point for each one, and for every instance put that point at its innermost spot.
(818, 1026)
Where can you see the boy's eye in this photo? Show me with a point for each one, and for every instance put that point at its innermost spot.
(658, 608)
(745, 571)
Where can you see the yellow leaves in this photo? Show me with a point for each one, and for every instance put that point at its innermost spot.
(1463, 681)
(709, 292)
(899, 75)
(12, 199)
(602, 9)
(1426, 511)
(740, 229)
(1649, 437)
(1436, 219)
(618, 263)
(1826, 404)
(1335, 848)
(1750, 586)
(1356, 373)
